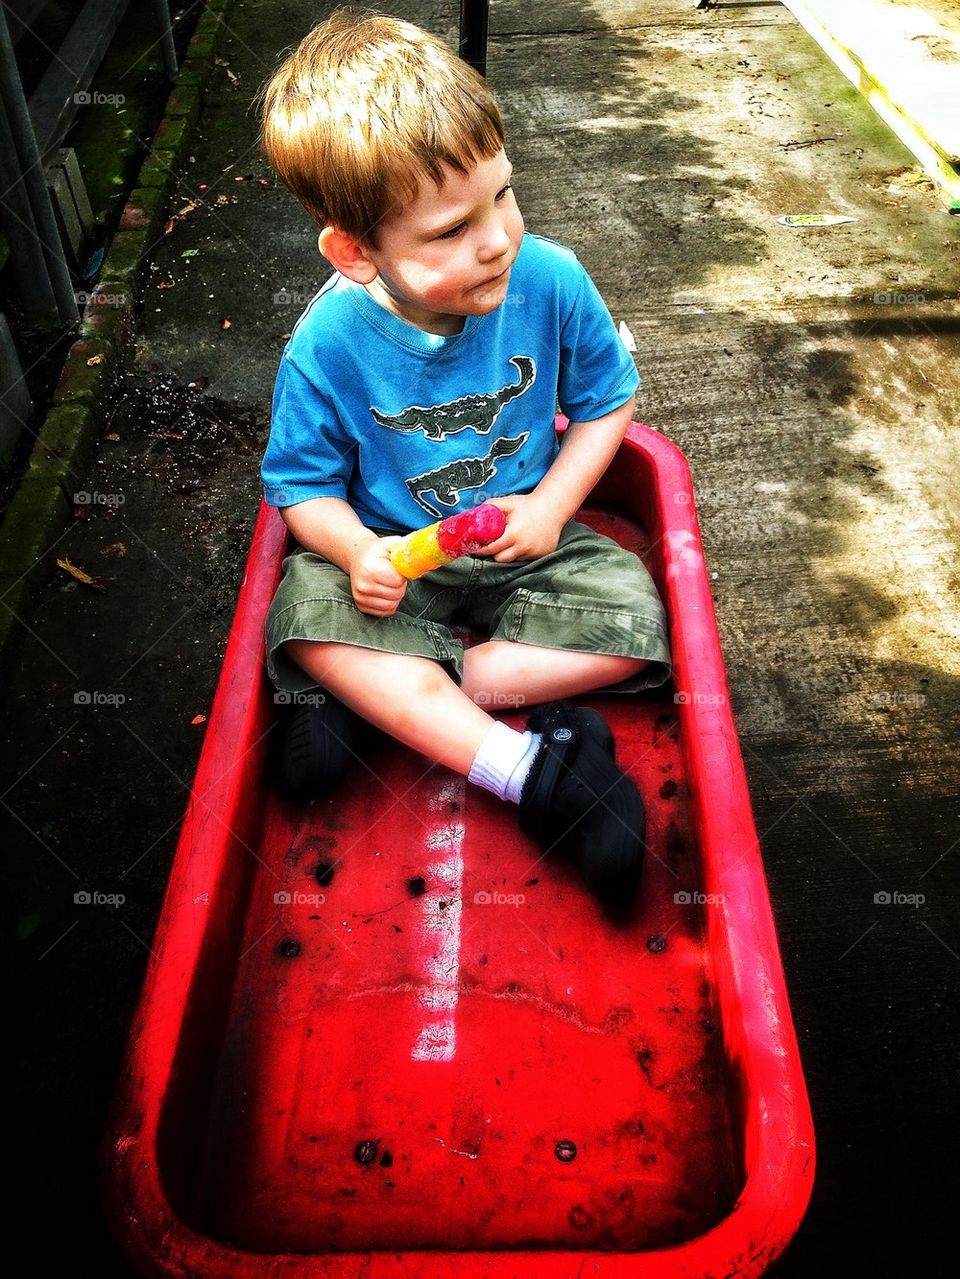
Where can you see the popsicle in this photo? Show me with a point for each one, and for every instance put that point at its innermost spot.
(438, 544)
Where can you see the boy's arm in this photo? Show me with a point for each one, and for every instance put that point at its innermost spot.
(330, 527)
(586, 451)
(535, 519)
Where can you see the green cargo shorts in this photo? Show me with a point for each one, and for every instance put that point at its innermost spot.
(589, 595)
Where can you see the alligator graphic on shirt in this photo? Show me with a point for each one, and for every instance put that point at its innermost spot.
(448, 482)
(477, 412)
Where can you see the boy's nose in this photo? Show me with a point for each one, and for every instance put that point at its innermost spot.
(496, 243)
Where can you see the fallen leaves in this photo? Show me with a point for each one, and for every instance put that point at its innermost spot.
(97, 583)
(187, 209)
(232, 75)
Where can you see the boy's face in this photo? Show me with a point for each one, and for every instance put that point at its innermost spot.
(449, 253)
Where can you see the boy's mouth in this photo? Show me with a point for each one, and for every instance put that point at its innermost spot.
(495, 279)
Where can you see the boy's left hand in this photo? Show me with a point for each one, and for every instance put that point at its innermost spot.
(532, 529)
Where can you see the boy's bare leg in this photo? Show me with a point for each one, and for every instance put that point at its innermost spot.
(505, 672)
(411, 698)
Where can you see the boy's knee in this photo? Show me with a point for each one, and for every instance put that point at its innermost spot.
(427, 678)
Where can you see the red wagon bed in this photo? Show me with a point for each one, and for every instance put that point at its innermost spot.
(380, 1035)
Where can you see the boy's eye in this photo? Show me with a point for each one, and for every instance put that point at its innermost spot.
(455, 231)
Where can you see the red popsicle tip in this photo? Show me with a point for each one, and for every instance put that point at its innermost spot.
(468, 532)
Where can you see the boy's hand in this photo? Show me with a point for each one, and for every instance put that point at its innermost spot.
(533, 529)
(377, 586)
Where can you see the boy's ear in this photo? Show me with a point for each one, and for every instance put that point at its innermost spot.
(346, 255)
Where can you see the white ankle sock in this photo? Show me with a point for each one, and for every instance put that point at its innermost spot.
(503, 761)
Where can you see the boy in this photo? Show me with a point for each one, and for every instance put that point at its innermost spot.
(420, 381)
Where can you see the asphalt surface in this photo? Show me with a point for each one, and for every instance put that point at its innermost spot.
(811, 378)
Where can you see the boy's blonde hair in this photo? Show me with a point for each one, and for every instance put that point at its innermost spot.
(365, 109)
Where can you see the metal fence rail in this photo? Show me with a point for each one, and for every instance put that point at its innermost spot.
(30, 135)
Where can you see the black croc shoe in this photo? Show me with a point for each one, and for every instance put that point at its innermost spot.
(319, 741)
(577, 801)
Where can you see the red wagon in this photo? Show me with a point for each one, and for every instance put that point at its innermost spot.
(381, 1036)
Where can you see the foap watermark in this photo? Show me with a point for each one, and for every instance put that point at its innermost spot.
(100, 299)
(87, 497)
(511, 299)
(486, 697)
(284, 698)
(899, 299)
(695, 898)
(95, 98)
(887, 697)
(684, 698)
(96, 697)
(294, 296)
(496, 898)
(298, 899)
(705, 495)
(884, 898)
(482, 97)
(95, 898)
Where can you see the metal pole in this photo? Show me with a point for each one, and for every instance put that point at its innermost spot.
(31, 174)
(27, 261)
(474, 15)
(166, 38)
(14, 395)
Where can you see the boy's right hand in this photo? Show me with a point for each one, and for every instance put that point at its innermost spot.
(377, 586)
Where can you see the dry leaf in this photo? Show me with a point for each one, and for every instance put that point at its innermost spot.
(115, 548)
(98, 583)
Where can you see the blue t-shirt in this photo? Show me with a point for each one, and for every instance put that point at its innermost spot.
(408, 426)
